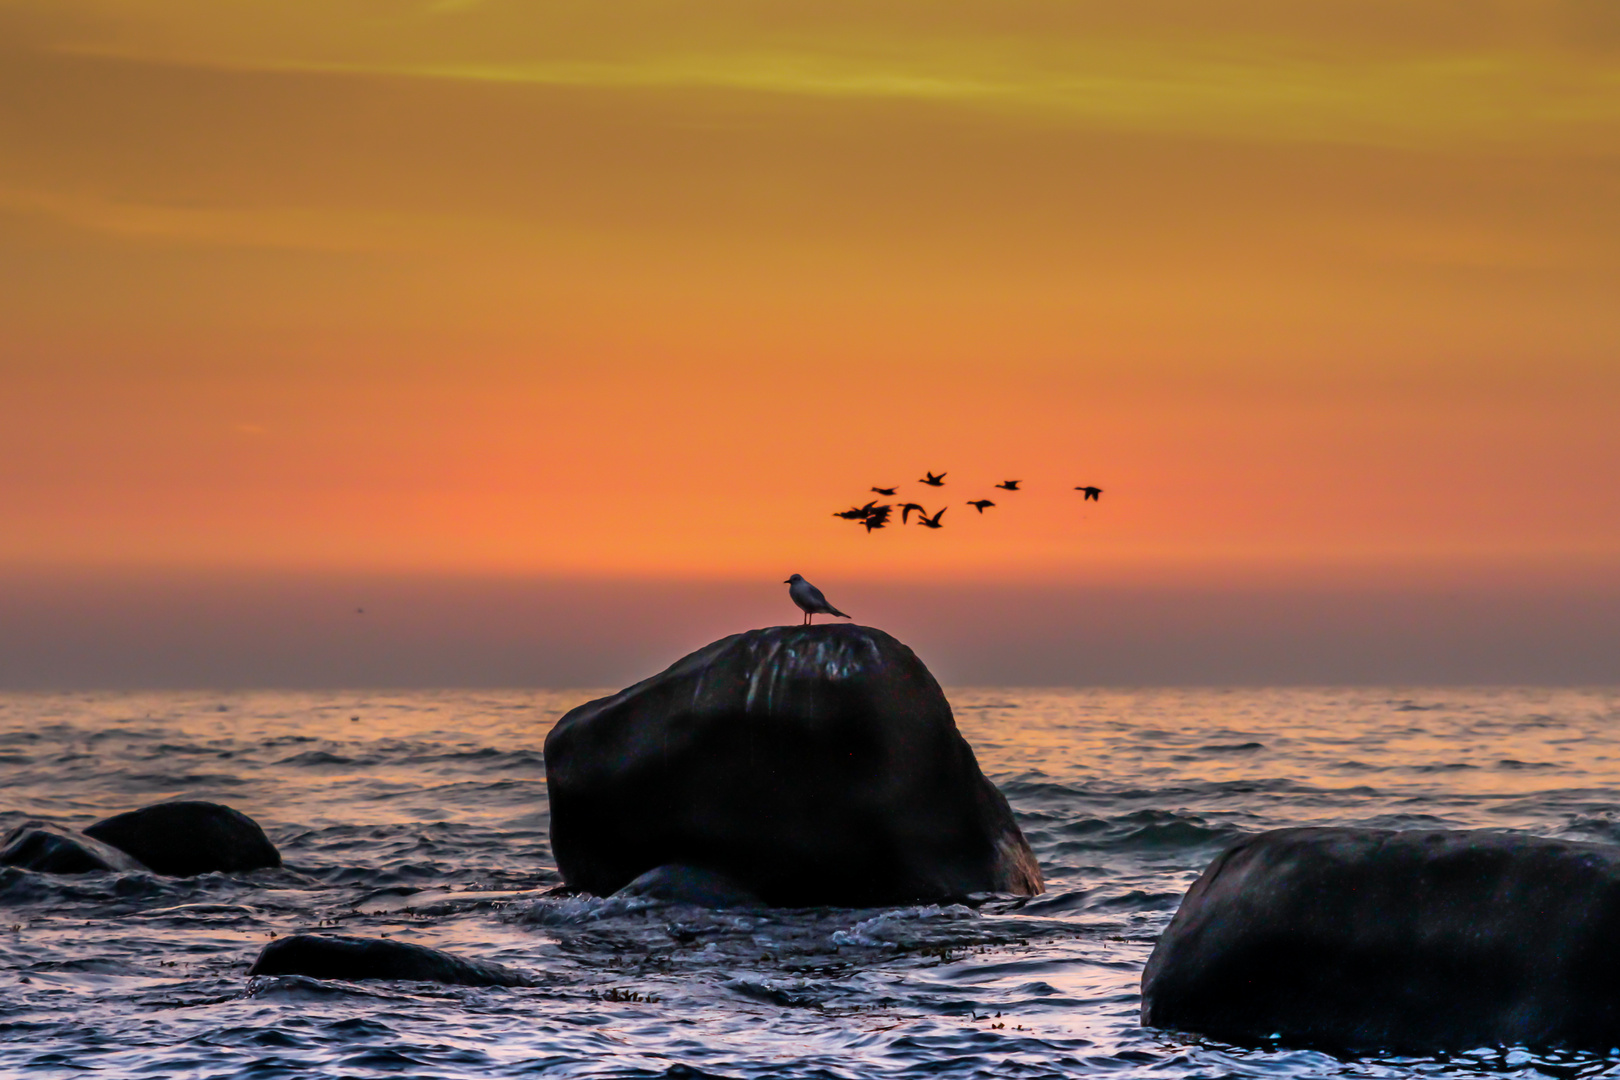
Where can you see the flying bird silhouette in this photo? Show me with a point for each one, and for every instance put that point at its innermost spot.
(878, 518)
(907, 508)
(884, 491)
(980, 504)
(932, 522)
(859, 513)
(809, 599)
(933, 481)
(1090, 493)
(1009, 485)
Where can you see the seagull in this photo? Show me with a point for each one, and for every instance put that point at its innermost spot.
(907, 508)
(809, 599)
(980, 504)
(933, 481)
(884, 491)
(932, 522)
(1009, 485)
(1090, 493)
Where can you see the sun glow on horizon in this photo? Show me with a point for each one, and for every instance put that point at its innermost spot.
(482, 287)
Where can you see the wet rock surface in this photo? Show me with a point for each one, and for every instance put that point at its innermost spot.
(1372, 940)
(809, 765)
(689, 885)
(355, 959)
(53, 849)
(183, 839)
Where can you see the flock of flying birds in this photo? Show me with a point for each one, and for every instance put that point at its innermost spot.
(876, 516)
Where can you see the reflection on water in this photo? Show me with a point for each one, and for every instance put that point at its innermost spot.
(423, 816)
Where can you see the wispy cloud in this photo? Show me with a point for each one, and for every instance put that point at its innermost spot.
(1250, 88)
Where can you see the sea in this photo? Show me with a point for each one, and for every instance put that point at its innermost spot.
(422, 816)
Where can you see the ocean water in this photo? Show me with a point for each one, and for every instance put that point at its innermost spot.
(422, 816)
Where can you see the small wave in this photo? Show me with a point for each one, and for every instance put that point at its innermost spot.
(578, 910)
(1232, 748)
(166, 781)
(1602, 827)
(316, 757)
(204, 912)
(167, 749)
(901, 926)
(89, 965)
(1137, 900)
(1144, 831)
(1056, 903)
(792, 995)
(18, 886)
(304, 988)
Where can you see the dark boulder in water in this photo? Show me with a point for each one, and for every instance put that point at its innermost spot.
(187, 838)
(354, 959)
(690, 885)
(52, 849)
(807, 764)
(1367, 940)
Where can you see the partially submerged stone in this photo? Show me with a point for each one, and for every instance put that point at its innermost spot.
(49, 848)
(354, 959)
(183, 839)
(1367, 940)
(809, 765)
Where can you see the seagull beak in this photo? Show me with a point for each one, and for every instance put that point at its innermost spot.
(787, 581)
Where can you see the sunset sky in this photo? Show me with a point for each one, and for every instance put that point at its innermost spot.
(1325, 296)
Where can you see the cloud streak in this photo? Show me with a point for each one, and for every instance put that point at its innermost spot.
(1259, 90)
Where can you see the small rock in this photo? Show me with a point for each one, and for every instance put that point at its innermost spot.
(49, 848)
(183, 839)
(353, 959)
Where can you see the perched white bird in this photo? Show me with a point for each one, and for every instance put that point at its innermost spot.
(809, 599)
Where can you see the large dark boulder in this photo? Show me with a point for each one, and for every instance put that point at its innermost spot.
(354, 959)
(807, 764)
(186, 838)
(52, 849)
(1365, 939)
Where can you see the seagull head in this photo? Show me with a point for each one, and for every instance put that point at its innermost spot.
(795, 577)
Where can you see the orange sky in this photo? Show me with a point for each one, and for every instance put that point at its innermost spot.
(638, 289)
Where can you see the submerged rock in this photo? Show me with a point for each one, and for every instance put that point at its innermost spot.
(187, 838)
(53, 849)
(354, 959)
(808, 765)
(1365, 939)
(690, 885)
